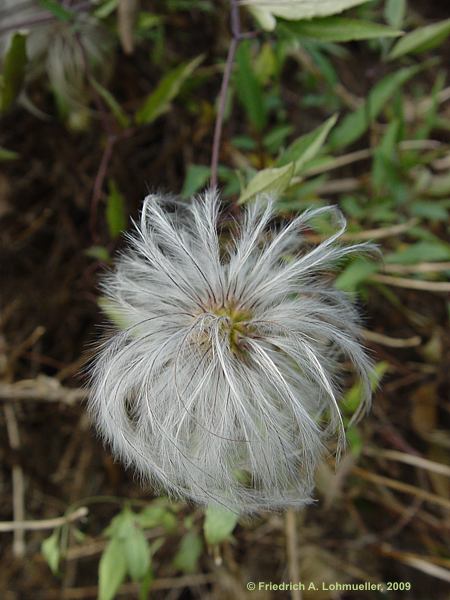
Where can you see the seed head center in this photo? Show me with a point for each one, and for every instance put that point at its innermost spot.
(235, 325)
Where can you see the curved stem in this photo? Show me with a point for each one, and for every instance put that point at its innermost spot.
(236, 31)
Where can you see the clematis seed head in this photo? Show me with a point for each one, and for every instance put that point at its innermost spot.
(223, 383)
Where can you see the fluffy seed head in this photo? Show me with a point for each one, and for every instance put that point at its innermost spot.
(222, 384)
(67, 51)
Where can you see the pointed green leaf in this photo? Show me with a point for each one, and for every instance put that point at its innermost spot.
(115, 211)
(6, 155)
(248, 87)
(353, 126)
(354, 440)
(189, 551)
(307, 147)
(13, 74)
(146, 585)
(432, 210)
(357, 272)
(265, 18)
(420, 251)
(137, 554)
(106, 8)
(51, 550)
(60, 12)
(353, 397)
(384, 157)
(265, 11)
(154, 516)
(341, 29)
(394, 12)
(421, 40)
(112, 570)
(121, 525)
(114, 313)
(196, 177)
(219, 524)
(269, 181)
(98, 252)
(120, 115)
(167, 89)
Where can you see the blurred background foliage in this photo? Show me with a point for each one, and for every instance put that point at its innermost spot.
(101, 102)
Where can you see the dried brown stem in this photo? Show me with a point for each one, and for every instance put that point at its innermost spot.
(46, 389)
(292, 551)
(21, 526)
(18, 484)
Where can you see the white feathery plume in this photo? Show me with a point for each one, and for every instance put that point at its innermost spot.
(224, 386)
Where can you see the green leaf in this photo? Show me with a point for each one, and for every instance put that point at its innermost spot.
(219, 524)
(276, 137)
(196, 177)
(354, 440)
(98, 252)
(114, 313)
(306, 147)
(352, 398)
(265, 18)
(434, 211)
(421, 40)
(268, 181)
(167, 89)
(297, 9)
(13, 75)
(384, 157)
(353, 126)
(51, 550)
(120, 115)
(60, 12)
(189, 551)
(121, 525)
(265, 65)
(115, 211)
(137, 553)
(357, 272)
(394, 12)
(106, 8)
(154, 516)
(146, 584)
(419, 252)
(112, 570)
(341, 29)
(249, 90)
(6, 155)
(147, 21)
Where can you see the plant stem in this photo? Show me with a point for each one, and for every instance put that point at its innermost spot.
(292, 551)
(236, 37)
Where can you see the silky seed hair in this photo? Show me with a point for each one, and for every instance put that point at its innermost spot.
(222, 384)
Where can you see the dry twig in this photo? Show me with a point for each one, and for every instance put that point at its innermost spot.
(391, 342)
(43, 388)
(37, 525)
(405, 488)
(18, 483)
(292, 551)
(412, 284)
